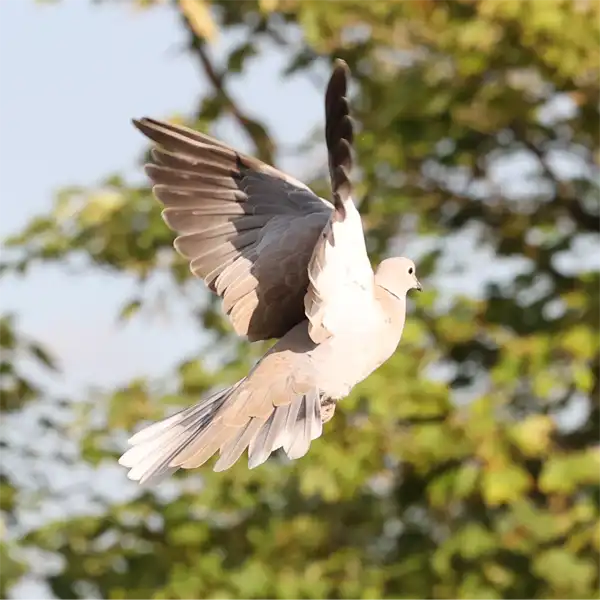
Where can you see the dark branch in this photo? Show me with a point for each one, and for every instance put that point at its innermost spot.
(255, 131)
(585, 221)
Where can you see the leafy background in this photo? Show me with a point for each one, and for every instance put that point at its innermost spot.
(468, 465)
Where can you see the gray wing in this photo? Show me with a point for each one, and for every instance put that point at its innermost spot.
(248, 229)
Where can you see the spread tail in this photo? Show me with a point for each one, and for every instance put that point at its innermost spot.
(192, 436)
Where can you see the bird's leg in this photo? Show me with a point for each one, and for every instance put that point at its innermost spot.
(327, 408)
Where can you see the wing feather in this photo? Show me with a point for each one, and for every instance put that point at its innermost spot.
(247, 229)
(274, 251)
(340, 291)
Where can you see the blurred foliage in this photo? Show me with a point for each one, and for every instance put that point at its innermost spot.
(22, 361)
(470, 485)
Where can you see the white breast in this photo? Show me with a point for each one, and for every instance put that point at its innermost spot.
(347, 359)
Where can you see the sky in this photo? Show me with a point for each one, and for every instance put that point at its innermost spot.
(68, 95)
(72, 76)
(65, 109)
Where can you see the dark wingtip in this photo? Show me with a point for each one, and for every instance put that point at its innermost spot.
(339, 135)
(341, 64)
(143, 125)
(138, 123)
(338, 84)
(159, 132)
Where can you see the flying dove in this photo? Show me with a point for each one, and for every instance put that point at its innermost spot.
(287, 264)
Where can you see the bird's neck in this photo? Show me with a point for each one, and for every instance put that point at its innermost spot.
(394, 307)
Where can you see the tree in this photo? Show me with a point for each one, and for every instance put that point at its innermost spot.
(450, 472)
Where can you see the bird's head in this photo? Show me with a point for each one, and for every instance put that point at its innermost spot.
(397, 275)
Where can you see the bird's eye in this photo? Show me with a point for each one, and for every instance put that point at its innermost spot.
(411, 271)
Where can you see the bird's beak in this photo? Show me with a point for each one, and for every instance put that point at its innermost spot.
(418, 287)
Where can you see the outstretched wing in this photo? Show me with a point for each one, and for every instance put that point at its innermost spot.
(340, 293)
(248, 229)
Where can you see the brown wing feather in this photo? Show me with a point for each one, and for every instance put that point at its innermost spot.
(248, 229)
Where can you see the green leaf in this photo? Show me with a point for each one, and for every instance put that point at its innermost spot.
(130, 309)
(565, 571)
(504, 484)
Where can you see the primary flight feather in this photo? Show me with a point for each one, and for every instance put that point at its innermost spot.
(287, 264)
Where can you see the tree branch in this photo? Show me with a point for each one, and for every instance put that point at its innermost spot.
(253, 129)
(586, 221)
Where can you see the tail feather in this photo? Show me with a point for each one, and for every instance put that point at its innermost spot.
(155, 448)
(291, 427)
(305, 429)
(192, 436)
(236, 446)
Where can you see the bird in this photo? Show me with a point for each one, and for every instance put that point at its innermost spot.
(288, 265)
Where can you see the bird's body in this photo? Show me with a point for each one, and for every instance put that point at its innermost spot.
(287, 264)
(336, 365)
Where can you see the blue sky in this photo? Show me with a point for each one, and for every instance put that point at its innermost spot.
(73, 74)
